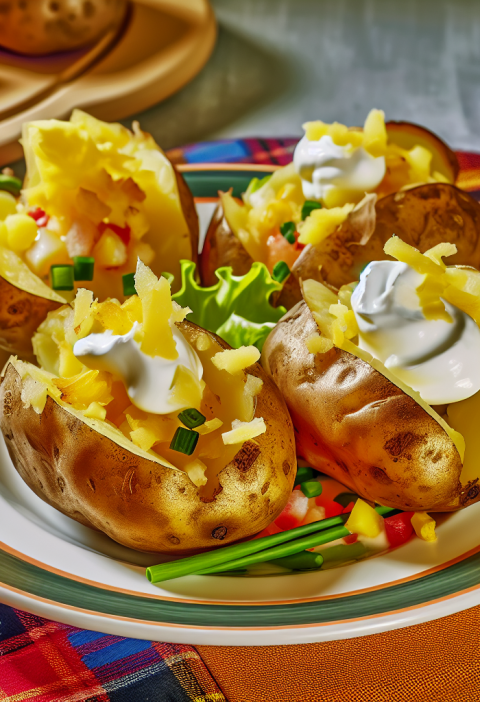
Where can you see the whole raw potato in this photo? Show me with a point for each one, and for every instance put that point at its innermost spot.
(354, 424)
(38, 27)
(134, 499)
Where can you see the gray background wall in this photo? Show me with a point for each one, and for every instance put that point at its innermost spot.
(278, 63)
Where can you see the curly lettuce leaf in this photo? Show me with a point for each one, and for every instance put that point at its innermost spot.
(237, 308)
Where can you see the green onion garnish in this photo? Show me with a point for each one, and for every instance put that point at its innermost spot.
(83, 267)
(280, 272)
(303, 473)
(62, 277)
(10, 183)
(169, 277)
(229, 555)
(129, 284)
(308, 207)
(288, 231)
(184, 441)
(306, 560)
(311, 488)
(191, 418)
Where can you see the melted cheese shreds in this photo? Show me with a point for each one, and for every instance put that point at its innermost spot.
(209, 426)
(243, 431)
(196, 472)
(236, 360)
(318, 344)
(323, 222)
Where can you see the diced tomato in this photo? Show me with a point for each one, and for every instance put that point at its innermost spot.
(278, 249)
(349, 508)
(123, 233)
(294, 512)
(332, 508)
(399, 528)
(351, 538)
(40, 217)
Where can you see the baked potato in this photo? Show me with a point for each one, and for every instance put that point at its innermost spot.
(358, 422)
(96, 191)
(78, 441)
(45, 27)
(339, 235)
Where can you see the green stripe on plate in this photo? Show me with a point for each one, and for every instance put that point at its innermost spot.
(207, 183)
(33, 580)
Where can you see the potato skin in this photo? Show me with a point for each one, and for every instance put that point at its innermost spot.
(422, 217)
(138, 502)
(355, 425)
(20, 315)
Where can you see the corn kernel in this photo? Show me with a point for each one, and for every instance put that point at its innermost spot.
(8, 204)
(22, 232)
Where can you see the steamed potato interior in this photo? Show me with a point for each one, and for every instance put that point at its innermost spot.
(224, 396)
(268, 203)
(460, 286)
(97, 190)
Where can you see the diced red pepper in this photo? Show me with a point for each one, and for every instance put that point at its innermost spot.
(123, 233)
(349, 508)
(294, 511)
(40, 217)
(399, 528)
(351, 538)
(332, 508)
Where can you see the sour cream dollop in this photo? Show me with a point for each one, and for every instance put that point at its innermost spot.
(324, 166)
(148, 380)
(439, 359)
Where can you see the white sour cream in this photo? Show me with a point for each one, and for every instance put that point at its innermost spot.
(439, 359)
(148, 380)
(324, 166)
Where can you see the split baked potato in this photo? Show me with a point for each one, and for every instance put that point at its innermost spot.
(78, 441)
(333, 243)
(92, 191)
(358, 422)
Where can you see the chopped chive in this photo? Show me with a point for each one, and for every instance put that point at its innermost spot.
(256, 183)
(168, 276)
(129, 284)
(83, 267)
(62, 277)
(280, 272)
(303, 473)
(306, 560)
(343, 552)
(280, 551)
(191, 418)
(184, 441)
(225, 556)
(311, 488)
(345, 498)
(308, 207)
(288, 230)
(10, 183)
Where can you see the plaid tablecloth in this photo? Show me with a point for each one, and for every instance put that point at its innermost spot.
(44, 661)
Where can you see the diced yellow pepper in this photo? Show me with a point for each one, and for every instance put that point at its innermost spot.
(235, 360)
(424, 526)
(364, 520)
(21, 232)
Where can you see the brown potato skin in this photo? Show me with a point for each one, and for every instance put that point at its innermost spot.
(189, 211)
(355, 425)
(422, 217)
(20, 315)
(222, 248)
(138, 502)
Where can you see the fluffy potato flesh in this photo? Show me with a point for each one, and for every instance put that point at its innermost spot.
(79, 443)
(96, 190)
(413, 156)
(355, 420)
